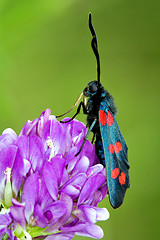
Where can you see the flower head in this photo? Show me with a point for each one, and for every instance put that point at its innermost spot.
(45, 190)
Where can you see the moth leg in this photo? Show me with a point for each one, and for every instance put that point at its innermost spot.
(77, 112)
(86, 137)
(76, 103)
(93, 138)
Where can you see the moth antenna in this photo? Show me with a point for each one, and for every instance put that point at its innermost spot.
(94, 45)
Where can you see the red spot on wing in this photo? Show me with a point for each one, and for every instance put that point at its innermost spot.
(103, 117)
(117, 147)
(122, 178)
(110, 119)
(115, 173)
(111, 148)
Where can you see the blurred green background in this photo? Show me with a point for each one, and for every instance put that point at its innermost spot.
(46, 61)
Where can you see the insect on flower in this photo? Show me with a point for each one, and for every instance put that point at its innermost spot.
(110, 145)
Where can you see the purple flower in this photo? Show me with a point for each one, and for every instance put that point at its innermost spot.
(45, 190)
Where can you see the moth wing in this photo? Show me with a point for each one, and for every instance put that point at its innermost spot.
(115, 151)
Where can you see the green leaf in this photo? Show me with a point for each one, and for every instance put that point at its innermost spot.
(38, 231)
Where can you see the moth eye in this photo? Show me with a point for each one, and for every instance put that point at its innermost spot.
(93, 88)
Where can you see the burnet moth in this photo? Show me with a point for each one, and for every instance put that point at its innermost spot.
(110, 145)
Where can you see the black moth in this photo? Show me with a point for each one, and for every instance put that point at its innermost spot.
(110, 146)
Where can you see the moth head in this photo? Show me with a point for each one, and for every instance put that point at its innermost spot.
(91, 89)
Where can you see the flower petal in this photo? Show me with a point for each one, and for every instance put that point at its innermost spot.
(85, 229)
(69, 206)
(81, 165)
(36, 150)
(100, 194)
(30, 194)
(7, 138)
(37, 126)
(43, 119)
(58, 163)
(91, 230)
(5, 221)
(89, 151)
(19, 166)
(74, 185)
(17, 213)
(51, 180)
(55, 211)
(44, 198)
(78, 129)
(94, 169)
(93, 214)
(90, 187)
(61, 236)
(7, 158)
(39, 216)
(29, 128)
(55, 132)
